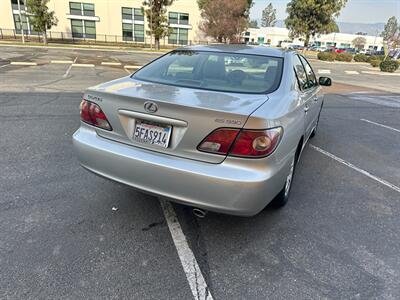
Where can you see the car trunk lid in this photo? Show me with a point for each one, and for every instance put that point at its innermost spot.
(191, 113)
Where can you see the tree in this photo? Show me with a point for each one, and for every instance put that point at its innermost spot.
(253, 24)
(42, 19)
(308, 18)
(155, 11)
(268, 18)
(202, 3)
(391, 33)
(359, 42)
(224, 20)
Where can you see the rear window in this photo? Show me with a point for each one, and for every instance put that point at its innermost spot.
(215, 71)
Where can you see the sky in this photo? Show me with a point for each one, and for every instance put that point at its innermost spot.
(356, 11)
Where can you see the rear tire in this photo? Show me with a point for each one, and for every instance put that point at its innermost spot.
(283, 197)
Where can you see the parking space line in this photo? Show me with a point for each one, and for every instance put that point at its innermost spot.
(23, 63)
(109, 63)
(132, 67)
(381, 125)
(83, 65)
(69, 68)
(380, 73)
(4, 66)
(324, 71)
(352, 72)
(127, 71)
(189, 263)
(61, 62)
(350, 165)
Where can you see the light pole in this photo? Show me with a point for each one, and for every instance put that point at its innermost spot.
(376, 36)
(20, 21)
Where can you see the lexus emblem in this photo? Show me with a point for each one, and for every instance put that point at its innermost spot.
(150, 107)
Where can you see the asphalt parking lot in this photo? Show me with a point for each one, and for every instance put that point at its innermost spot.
(66, 233)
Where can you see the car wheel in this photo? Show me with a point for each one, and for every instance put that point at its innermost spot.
(282, 198)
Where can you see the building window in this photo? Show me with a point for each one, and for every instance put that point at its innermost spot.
(14, 4)
(178, 36)
(135, 14)
(127, 32)
(127, 13)
(26, 24)
(138, 15)
(178, 18)
(83, 29)
(133, 32)
(139, 33)
(132, 24)
(81, 9)
(173, 18)
(17, 23)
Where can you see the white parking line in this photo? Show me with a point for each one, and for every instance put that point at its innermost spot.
(352, 72)
(83, 65)
(380, 73)
(23, 63)
(189, 263)
(127, 71)
(324, 71)
(381, 125)
(61, 62)
(4, 66)
(132, 67)
(109, 63)
(69, 68)
(350, 165)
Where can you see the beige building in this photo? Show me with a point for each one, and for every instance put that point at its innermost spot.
(106, 20)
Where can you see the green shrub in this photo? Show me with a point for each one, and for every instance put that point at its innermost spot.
(376, 57)
(375, 63)
(389, 66)
(360, 58)
(344, 57)
(326, 56)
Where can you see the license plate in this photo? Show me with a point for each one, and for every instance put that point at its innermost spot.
(153, 134)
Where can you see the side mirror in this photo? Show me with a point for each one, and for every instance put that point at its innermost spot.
(325, 81)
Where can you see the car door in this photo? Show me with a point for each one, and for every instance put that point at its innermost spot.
(307, 94)
(313, 88)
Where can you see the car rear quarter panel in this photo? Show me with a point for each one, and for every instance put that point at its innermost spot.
(283, 108)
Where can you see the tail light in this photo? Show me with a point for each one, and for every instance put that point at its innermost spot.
(92, 114)
(242, 143)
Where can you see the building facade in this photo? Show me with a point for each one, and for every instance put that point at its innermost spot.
(279, 37)
(106, 20)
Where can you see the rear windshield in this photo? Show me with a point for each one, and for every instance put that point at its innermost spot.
(227, 72)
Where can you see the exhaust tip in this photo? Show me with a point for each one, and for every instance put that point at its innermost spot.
(199, 213)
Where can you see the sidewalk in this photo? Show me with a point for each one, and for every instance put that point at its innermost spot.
(83, 47)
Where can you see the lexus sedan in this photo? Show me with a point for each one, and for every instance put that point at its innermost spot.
(218, 128)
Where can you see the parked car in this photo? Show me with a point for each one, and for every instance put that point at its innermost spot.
(334, 49)
(375, 52)
(350, 50)
(195, 128)
(295, 47)
(395, 54)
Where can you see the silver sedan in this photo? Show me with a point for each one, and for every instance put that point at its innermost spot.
(219, 128)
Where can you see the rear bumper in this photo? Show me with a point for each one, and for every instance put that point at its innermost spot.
(236, 186)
